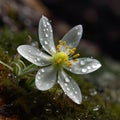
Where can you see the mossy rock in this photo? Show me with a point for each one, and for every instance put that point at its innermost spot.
(22, 99)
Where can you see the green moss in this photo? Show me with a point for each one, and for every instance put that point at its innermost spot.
(32, 104)
(10, 40)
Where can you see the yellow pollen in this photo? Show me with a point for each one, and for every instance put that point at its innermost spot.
(74, 49)
(67, 47)
(69, 63)
(58, 47)
(71, 52)
(64, 43)
(76, 60)
(76, 55)
(59, 59)
(60, 41)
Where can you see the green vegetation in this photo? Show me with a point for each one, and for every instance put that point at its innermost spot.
(23, 99)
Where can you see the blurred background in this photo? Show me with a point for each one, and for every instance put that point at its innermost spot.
(100, 20)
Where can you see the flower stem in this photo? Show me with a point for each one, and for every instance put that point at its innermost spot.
(28, 69)
(1, 62)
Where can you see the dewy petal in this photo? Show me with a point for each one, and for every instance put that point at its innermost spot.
(84, 66)
(70, 87)
(73, 36)
(34, 55)
(46, 35)
(45, 78)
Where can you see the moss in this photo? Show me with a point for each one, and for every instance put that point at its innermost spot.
(22, 99)
(10, 40)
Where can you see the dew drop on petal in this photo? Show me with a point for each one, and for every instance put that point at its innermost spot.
(38, 59)
(46, 42)
(66, 84)
(84, 70)
(42, 70)
(82, 62)
(76, 92)
(46, 35)
(68, 89)
(38, 77)
(48, 23)
(88, 67)
(79, 33)
(67, 79)
(35, 60)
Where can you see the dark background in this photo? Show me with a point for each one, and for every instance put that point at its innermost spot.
(100, 20)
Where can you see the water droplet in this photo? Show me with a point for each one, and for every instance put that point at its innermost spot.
(94, 66)
(84, 70)
(44, 30)
(68, 89)
(39, 73)
(35, 60)
(67, 79)
(46, 35)
(46, 42)
(38, 77)
(88, 67)
(79, 33)
(45, 25)
(76, 92)
(41, 39)
(82, 62)
(42, 70)
(66, 84)
(93, 92)
(47, 29)
(38, 59)
(96, 108)
(48, 23)
(51, 30)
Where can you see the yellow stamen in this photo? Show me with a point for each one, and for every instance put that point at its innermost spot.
(67, 47)
(60, 41)
(76, 60)
(71, 52)
(76, 55)
(74, 49)
(58, 47)
(64, 43)
(69, 63)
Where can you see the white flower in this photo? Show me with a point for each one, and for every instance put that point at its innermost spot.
(58, 59)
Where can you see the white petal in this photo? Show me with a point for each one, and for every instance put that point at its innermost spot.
(70, 87)
(45, 78)
(46, 35)
(34, 55)
(84, 66)
(73, 36)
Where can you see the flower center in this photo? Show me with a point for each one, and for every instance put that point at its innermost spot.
(64, 56)
(60, 59)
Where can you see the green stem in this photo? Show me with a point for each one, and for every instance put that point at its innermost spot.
(6, 65)
(28, 69)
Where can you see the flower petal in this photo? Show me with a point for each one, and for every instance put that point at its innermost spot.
(46, 35)
(70, 87)
(45, 78)
(84, 66)
(73, 36)
(34, 55)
